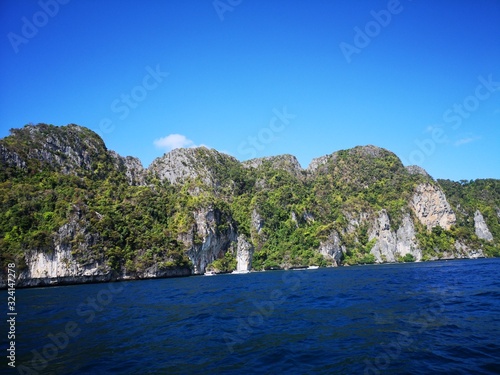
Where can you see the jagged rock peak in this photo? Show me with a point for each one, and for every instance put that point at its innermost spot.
(64, 148)
(189, 163)
(316, 163)
(415, 169)
(284, 162)
(131, 166)
(46, 133)
(368, 151)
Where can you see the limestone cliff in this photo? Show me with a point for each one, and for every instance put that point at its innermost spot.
(58, 264)
(431, 207)
(288, 163)
(415, 169)
(11, 158)
(462, 250)
(73, 211)
(182, 164)
(209, 237)
(244, 254)
(481, 228)
(77, 148)
(72, 262)
(332, 248)
(391, 245)
(319, 164)
(131, 167)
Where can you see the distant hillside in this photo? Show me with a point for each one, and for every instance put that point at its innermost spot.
(73, 211)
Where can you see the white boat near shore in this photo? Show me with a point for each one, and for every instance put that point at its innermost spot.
(209, 273)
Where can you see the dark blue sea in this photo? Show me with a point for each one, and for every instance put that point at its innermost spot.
(415, 318)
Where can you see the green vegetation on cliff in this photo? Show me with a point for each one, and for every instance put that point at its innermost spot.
(469, 197)
(60, 186)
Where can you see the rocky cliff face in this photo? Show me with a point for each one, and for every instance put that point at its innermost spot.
(11, 158)
(178, 165)
(332, 248)
(464, 251)
(131, 167)
(415, 169)
(288, 163)
(73, 211)
(320, 164)
(75, 149)
(72, 262)
(406, 240)
(59, 265)
(392, 245)
(202, 163)
(206, 241)
(481, 229)
(244, 254)
(431, 207)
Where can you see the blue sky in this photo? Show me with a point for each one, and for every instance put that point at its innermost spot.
(258, 78)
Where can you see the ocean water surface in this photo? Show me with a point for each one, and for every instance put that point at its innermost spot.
(416, 318)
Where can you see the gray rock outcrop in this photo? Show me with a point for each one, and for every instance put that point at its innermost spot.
(11, 158)
(482, 230)
(131, 166)
(205, 241)
(415, 169)
(257, 221)
(320, 164)
(59, 265)
(464, 251)
(431, 207)
(332, 248)
(244, 254)
(76, 148)
(178, 165)
(390, 245)
(288, 163)
(385, 247)
(406, 239)
(181, 164)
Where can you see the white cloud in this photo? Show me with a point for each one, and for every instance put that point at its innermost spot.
(172, 141)
(464, 141)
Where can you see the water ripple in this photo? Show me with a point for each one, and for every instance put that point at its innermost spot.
(437, 317)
